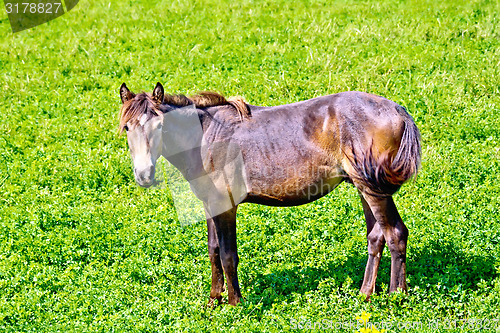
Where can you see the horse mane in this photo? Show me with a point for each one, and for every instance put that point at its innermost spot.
(144, 103)
(208, 98)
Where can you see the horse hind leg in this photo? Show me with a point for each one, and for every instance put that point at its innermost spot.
(376, 242)
(395, 234)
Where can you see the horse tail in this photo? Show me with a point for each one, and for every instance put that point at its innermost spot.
(384, 174)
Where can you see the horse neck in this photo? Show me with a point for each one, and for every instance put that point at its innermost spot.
(182, 138)
(187, 129)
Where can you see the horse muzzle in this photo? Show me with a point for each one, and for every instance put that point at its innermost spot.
(145, 177)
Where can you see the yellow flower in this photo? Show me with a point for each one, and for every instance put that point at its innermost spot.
(364, 317)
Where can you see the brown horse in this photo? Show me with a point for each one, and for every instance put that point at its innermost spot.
(286, 155)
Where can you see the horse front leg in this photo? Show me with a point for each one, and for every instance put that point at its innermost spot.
(217, 270)
(395, 234)
(376, 241)
(225, 227)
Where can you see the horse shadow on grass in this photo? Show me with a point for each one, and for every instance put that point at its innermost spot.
(453, 268)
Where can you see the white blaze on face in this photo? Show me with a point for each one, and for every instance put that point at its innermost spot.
(143, 119)
(145, 143)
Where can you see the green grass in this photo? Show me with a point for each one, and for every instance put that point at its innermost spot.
(82, 248)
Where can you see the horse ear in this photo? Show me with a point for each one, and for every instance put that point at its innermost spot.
(158, 93)
(125, 94)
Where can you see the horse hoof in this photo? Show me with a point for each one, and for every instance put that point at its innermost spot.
(235, 301)
(214, 302)
(364, 295)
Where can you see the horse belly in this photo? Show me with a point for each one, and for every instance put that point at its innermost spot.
(293, 186)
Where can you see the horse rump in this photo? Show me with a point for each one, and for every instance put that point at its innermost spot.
(383, 173)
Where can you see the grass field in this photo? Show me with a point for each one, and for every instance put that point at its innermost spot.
(82, 248)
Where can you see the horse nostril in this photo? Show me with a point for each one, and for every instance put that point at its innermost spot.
(139, 175)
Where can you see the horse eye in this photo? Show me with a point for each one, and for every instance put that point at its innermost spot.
(125, 128)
